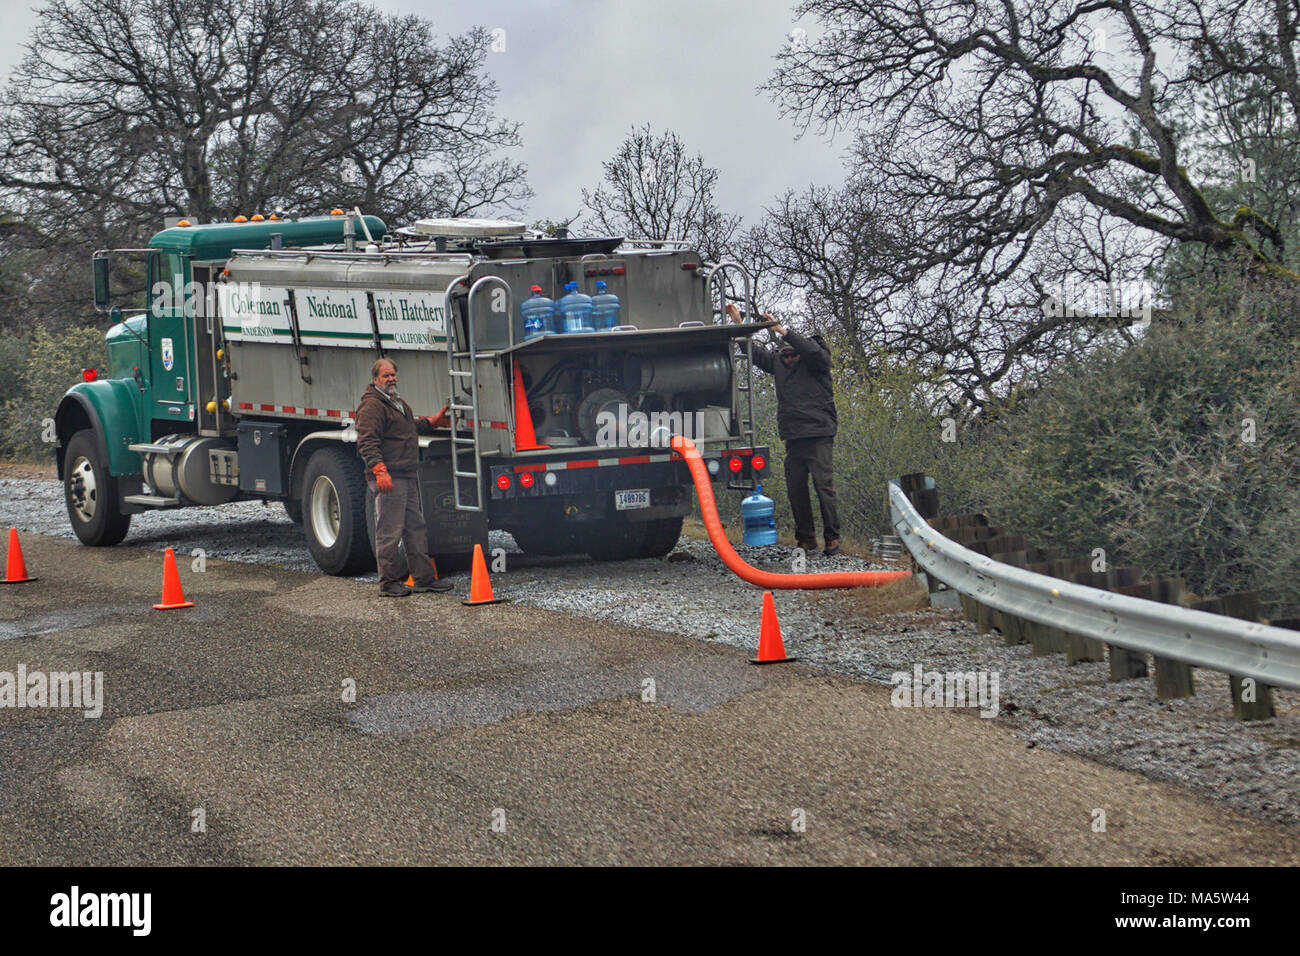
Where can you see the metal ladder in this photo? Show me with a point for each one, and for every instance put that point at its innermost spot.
(462, 376)
(742, 379)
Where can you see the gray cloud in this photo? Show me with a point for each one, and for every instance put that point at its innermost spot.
(579, 75)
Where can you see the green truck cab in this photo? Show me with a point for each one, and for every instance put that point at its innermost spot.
(162, 371)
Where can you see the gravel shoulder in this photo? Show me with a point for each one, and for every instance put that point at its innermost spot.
(1194, 742)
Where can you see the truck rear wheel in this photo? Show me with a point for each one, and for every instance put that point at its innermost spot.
(547, 533)
(623, 540)
(334, 512)
(91, 494)
(661, 536)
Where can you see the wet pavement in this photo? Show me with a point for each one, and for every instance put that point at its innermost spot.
(300, 719)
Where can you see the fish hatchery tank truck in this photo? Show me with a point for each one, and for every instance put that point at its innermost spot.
(240, 378)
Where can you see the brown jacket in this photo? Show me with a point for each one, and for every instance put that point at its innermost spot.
(387, 435)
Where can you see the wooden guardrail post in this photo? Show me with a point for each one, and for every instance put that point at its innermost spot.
(989, 618)
(1080, 649)
(1250, 699)
(924, 500)
(1054, 638)
(1126, 664)
(1011, 627)
(1173, 678)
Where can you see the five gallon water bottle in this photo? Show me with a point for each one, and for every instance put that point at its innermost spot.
(604, 309)
(759, 517)
(573, 311)
(539, 314)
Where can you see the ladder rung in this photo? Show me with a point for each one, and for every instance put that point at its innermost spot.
(465, 474)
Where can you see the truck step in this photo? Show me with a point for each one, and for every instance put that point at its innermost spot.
(149, 449)
(153, 501)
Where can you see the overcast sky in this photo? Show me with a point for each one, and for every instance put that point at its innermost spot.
(580, 73)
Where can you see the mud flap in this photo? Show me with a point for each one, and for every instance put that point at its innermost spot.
(452, 533)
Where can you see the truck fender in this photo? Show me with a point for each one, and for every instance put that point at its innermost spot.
(108, 408)
(310, 442)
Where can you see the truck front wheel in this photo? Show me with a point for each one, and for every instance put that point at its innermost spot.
(91, 494)
(334, 512)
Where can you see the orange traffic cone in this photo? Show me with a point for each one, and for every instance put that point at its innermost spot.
(525, 440)
(480, 585)
(410, 578)
(172, 595)
(770, 648)
(15, 567)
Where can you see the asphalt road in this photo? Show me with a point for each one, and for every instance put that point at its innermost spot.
(506, 734)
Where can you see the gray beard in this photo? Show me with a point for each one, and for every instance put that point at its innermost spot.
(393, 393)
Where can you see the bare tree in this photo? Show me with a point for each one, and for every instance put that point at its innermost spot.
(654, 189)
(1011, 108)
(817, 254)
(127, 110)
(1017, 150)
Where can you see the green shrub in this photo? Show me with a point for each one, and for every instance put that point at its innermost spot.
(1176, 454)
(53, 364)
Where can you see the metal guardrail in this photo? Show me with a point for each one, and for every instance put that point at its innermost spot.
(1270, 655)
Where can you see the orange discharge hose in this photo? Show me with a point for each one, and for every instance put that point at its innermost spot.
(764, 579)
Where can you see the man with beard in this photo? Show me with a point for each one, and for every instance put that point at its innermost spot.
(387, 442)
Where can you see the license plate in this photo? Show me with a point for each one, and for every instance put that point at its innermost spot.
(631, 500)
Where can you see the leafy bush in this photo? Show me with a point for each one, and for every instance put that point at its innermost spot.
(53, 364)
(1177, 454)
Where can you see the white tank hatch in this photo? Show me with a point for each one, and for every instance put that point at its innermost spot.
(469, 228)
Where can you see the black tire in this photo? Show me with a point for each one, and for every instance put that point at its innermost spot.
(293, 508)
(661, 536)
(615, 540)
(91, 494)
(334, 512)
(623, 540)
(547, 534)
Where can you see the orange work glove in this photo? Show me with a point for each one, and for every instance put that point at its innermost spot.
(383, 480)
(441, 420)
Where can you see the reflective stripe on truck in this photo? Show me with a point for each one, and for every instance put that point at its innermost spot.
(582, 475)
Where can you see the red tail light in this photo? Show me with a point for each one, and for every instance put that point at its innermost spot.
(526, 479)
(503, 482)
(735, 464)
(759, 462)
(89, 374)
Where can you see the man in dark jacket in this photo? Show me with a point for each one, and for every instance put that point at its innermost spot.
(805, 415)
(387, 442)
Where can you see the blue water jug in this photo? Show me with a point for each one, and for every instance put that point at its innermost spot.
(573, 311)
(604, 309)
(759, 517)
(539, 314)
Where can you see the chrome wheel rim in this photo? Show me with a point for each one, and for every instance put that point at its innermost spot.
(82, 491)
(325, 511)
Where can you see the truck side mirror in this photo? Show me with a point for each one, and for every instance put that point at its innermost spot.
(100, 266)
